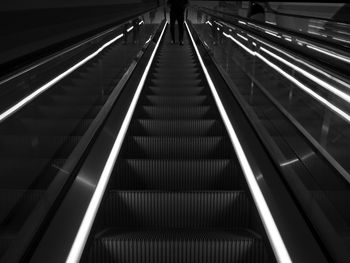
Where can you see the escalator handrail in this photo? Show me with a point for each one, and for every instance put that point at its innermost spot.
(342, 172)
(283, 30)
(331, 63)
(304, 16)
(275, 152)
(65, 51)
(265, 174)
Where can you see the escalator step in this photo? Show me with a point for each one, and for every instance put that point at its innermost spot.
(177, 147)
(176, 92)
(189, 209)
(176, 70)
(179, 83)
(177, 128)
(178, 246)
(172, 100)
(202, 112)
(172, 76)
(174, 175)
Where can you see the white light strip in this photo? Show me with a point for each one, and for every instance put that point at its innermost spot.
(246, 39)
(275, 238)
(329, 53)
(303, 62)
(318, 27)
(130, 28)
(242, 22)
(55, 56)
(141, 23)
(341, 39)
(306, 89)
(271, 23)
(218, 23)
(209, 23)
(239, 43)
(49, 84)
(272, 33)
(294, 80)
(89, 217)
(320, 82)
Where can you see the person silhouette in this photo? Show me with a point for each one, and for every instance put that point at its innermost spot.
(177, 13)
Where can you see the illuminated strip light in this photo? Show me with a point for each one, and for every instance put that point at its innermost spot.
(289, 162)
(55, 56)
(49, 84)
(342, 32)
(294, 80)
(141, 23)
(218, 23)
(239, 43)
(272, 33)
(329, 53)
(300, 42)
(271, 23)
(148, 40)
(130, 28)
(288, 39)
(89, 217)
(318, 27)
(314, 33)
(341, 39)
(242, 22)
(209, 23)
(254, 44)
(246, 39)
(218, 28)
(306, 89)
(264, 211)
(320, 82)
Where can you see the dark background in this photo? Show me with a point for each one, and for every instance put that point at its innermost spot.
(36, 28)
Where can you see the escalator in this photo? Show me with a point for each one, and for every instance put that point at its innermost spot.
(177, 192)
(40, 142)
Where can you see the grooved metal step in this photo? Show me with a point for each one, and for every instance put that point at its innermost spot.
(176, 175)
(177, 127)
(204, 209)
(177, 147)
(180, 91)
(199, 112)
(176, 100)
(177, 192)
(177, 246)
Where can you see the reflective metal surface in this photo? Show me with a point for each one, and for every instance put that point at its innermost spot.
(304, 109)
